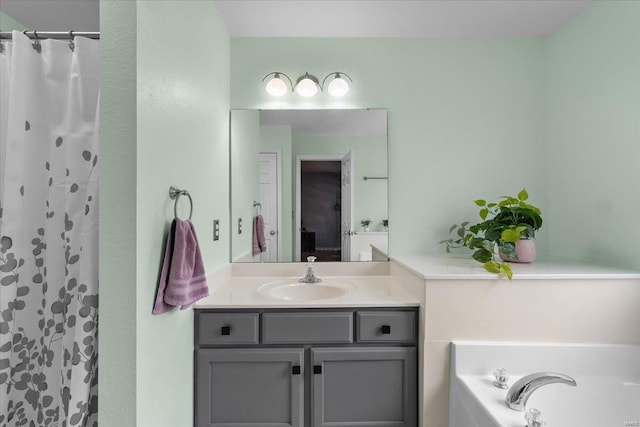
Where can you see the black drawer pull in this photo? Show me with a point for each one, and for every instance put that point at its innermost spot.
(225, 330)
(386, 329)
(295, 370)
(317, 369)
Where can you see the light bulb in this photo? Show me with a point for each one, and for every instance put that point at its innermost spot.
(276, 86)
(338, 87)
(306, 87)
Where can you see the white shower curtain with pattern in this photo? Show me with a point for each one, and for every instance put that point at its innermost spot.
(49, 232)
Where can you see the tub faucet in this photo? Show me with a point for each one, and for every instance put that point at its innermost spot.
(520, 391)
(311, 275)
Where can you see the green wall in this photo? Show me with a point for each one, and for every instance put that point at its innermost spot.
(165, 121)
(467, 118)
(594, 135)
(7, 23)
(245, 179)
(278, 138)
(117, 392)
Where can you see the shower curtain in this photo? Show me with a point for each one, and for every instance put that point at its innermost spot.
(49, 232)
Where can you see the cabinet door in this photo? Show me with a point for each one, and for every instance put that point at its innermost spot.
(249, 387)
(364, 387)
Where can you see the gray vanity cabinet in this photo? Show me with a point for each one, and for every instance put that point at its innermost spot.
(306, 368)
(364, 387)
(250, 387)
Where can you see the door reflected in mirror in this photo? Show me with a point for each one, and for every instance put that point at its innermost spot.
(308, 183)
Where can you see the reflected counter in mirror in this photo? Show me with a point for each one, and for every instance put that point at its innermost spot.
(307, 169)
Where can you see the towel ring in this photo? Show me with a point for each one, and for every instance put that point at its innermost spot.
(174, 194)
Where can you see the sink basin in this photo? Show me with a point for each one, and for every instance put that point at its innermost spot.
(292, 290)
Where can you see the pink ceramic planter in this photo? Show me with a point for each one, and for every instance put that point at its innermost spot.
(525, 249)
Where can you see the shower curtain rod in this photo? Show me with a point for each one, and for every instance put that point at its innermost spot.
(59, 35)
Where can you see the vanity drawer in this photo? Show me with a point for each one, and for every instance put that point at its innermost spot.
(321, 327)
(228, 328)
(386, 326)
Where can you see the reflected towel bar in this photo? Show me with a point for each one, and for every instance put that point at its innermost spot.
(366, 178)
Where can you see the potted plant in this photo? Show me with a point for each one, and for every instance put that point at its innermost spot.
(508, 225)
(385, 224)
(365, 223)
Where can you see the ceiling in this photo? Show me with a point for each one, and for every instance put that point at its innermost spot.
(54, 15)
(338, 18)
(328, 122)
(399, 18)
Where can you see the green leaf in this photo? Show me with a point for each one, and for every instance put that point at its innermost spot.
(508, 249)
(476, 242)
(523, 195)
(506, 270)
(490, 246)
(453, 227)
(464, 224)
(492, 267)
(483, 213)
(482, 255)
(510, 236)
(492, 205)
(480, 202)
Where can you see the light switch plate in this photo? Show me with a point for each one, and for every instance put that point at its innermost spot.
(216, 229)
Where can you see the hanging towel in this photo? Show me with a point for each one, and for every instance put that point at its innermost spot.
(259, 242)
(182, 280)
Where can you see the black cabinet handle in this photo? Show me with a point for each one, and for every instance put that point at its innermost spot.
(386, 329)
(317, 369)
(225, 330)
(295, 370)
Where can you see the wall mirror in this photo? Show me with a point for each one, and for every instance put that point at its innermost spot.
(314, 177)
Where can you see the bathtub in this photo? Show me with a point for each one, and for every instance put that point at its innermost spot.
(607, 376)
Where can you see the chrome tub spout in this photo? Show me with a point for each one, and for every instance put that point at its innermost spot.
(522, 389)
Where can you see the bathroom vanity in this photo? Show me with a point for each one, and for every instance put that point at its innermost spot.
(350, 360)
(306, 367)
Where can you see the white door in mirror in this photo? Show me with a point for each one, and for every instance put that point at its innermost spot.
(269, 201)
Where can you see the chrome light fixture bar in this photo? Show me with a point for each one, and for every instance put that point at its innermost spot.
(307, 85)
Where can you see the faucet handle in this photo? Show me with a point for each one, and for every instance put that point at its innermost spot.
(534, 418)
(311, 259)
(502, 377)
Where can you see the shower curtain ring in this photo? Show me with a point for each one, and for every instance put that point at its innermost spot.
(72, 45)
(36, 44)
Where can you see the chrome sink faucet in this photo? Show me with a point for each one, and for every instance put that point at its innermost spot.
(311, 275)
(521, 390)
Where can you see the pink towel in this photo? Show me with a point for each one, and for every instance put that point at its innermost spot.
(182, 280)
(259, 242)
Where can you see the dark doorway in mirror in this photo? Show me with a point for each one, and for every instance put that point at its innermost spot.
(321, 210)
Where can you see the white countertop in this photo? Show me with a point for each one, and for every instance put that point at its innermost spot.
(369, 291)
(442, 267)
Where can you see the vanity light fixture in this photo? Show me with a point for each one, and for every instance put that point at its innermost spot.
(276, 86)
(307, 85)
(338, 86)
